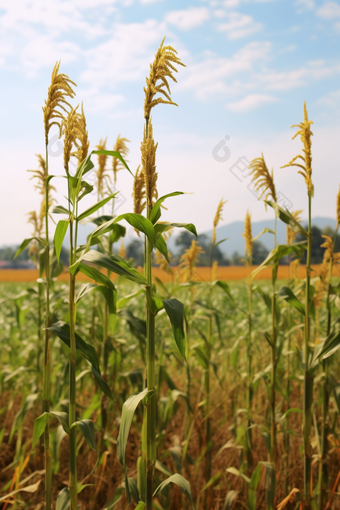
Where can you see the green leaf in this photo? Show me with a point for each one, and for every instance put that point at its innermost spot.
(96, 275)
(111, 299)
(86, 427)
(63, 500)
(236, 472)
(115, 154)
(85, 289)
(278, 253)
(113, 263)
(330, 345)
(59, 209)
(102, 384)
(254, 481)
(264, 231)
(85, 166)
(140, 223)
(128, 411)
(162, 247)
(289, 296)
(181, 482)
(41, 422)
(287, 218)
(175, 311)
(26, 242)
(122, 302)
(163, 227)
(213, 481)
(59, 236)
(95, 207)
(62, 330)
(225, 287)
(156, 210)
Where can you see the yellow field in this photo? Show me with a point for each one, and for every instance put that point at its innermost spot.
(227, 273)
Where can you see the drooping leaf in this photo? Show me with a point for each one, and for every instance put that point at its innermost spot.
(164, 227)
(279, 253)
(289, 296)
(59, 209)
(86, 427)
(141, 223)
(122, 302)
(156, 210)
(175, 311)
(26, 242)
(287, 218)
(113, 263)
(41, 422)
(96, 275)
(62, 330)
(181, 482)
(29, 488)
(100, 381)
(114, 154)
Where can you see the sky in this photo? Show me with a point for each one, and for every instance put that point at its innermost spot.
(250, 65)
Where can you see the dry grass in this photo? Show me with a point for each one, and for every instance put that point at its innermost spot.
(228, 273)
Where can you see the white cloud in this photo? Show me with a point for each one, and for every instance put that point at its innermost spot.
(213, 75)
(239, 25)
(329, 10)
(189, 18)
(307, 4)
(251, 102)
(331, 100)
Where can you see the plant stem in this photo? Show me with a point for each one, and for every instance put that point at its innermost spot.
(250, 387)
(47, 356)
(308, 379)
(151, 409)
(273, 356)
(72, 378)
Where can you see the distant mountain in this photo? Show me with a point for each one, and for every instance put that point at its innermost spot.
(233, 231)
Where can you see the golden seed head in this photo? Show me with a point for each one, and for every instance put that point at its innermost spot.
(306, 138)
(161, 261)
(188, 262)
(139, 192)
(290, 233)
(294, 269)
(214, 271)
(72, 131)
(263, 179)
(122, 251)
(338, 209)
(55, 103)
(248, 236)
(218, 217)
(148, 150)
(161, 69)
(83, 148)
(101, 172)
(41, 176)
(121, 147)
(321, 285)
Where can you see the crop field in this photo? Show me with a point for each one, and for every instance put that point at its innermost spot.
(145, 386)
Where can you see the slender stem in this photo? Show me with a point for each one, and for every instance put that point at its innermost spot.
(250, 386)
(308, 379)
(72, 376)
(47, 356)
(151, 409)
(273, 356)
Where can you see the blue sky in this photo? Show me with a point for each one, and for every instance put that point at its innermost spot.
(250, 65)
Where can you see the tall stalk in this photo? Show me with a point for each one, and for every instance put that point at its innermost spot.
(151, 409)
(308, 379)
(54, 109)
(304, 164)
(273, 357)
(47, 354)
